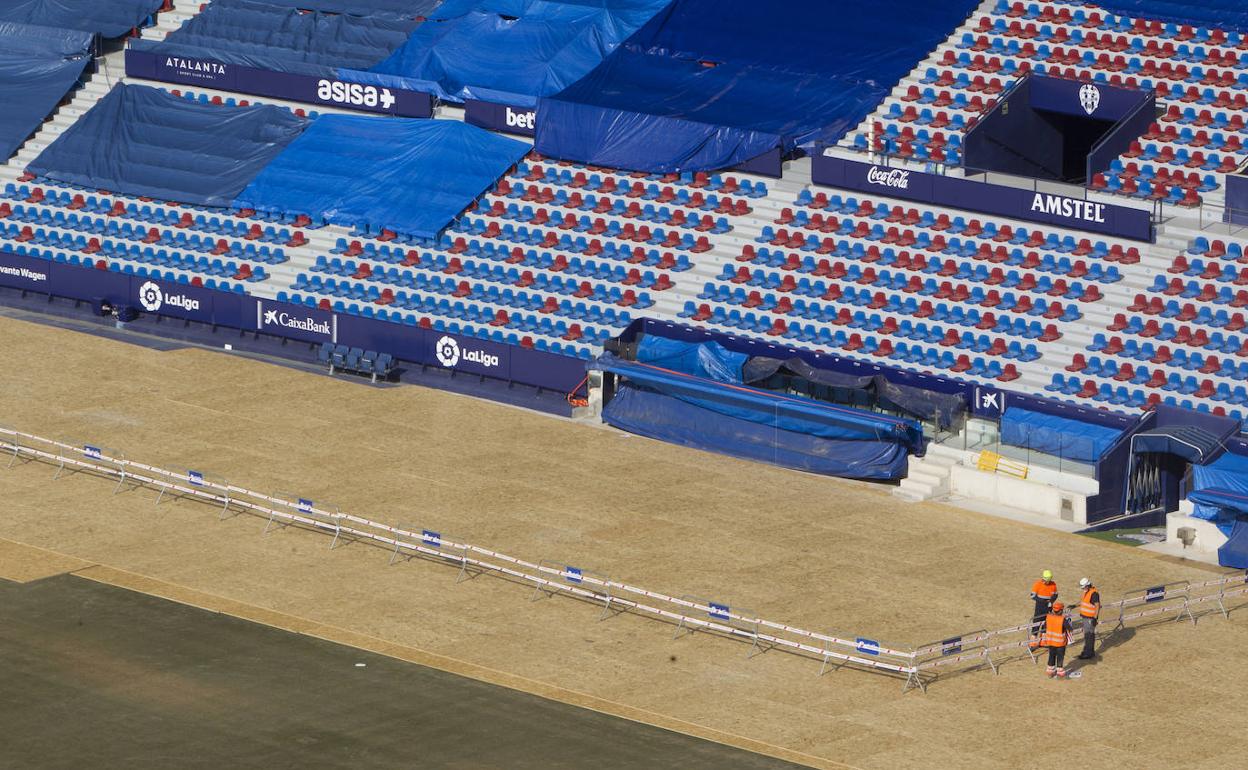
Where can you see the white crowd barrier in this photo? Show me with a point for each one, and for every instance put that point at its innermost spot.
(915, 666)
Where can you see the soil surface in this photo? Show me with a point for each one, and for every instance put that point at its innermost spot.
(822, 554)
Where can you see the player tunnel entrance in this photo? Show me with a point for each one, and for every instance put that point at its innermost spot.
(1058, 129)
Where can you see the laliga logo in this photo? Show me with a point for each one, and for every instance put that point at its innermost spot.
(354, 94)
(448, 354)
(447, 351)
(1089, 98)
(150, 297)
(889, 177)
(525, 120)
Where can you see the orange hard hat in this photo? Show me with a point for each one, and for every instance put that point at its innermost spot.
(1058, 606)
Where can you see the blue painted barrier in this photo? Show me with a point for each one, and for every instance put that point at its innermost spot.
(303, 323)
(309, 89)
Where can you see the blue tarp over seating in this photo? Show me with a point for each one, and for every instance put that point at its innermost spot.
(286, 39)
(511, 51)
(409, 8)
(1220, 490)
(38, 66)
(1060, 436)
(410, 176)
(744, 422)
(145, 142)
(1234, 552)
(107, 18)
(708, 360)
(1224, 14)
(713, 361)
(713, 83)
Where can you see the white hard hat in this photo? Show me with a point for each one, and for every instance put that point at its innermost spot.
(1084, 582)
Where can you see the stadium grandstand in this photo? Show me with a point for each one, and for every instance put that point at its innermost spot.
(993, 252)
(1024, 217)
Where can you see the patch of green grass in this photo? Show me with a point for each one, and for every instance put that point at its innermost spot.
(1113, 535)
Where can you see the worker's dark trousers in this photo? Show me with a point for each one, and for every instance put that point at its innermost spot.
(1089, 637)
(1037, 616)
(1057, 657)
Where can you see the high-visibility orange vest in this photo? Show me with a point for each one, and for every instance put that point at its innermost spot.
(1055, 630)
(1086, 608)
(1044, 590)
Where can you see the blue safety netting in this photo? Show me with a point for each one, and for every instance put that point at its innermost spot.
(410, 176)
(38, 66)
(654, 413)
(266, 36)
(107, 18)
(713, 83)
(1060, 436)
(145, 142)
(510, 51)
(1222, 14)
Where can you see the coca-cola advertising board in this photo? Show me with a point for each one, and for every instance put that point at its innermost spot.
(1028, 205)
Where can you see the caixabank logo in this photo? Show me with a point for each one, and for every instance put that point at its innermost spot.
(449, 354)
(289, 321)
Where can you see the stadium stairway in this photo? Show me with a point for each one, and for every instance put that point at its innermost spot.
(928, 476)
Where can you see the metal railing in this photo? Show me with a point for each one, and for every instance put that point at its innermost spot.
(917, 666)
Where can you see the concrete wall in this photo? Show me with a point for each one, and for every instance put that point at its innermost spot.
(1208, 537)
(1024, 495)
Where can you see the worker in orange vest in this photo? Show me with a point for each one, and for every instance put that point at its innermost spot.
(1043, 594)
(1056, 637)
(1089, 614)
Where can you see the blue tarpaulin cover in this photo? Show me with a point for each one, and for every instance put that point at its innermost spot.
(709, 84)
(800, 415)
(1066, 438)
(656, 414)
(410, 176)
(709, 360)
(107, 18)
(266, 36)
(1218, 487)
(38, 66)
(1223, 14)
(145, 142)
(511, 51)
(409, 8)
(1234, 552)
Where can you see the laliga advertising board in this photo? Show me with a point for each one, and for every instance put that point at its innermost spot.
(173, 299)
(468, 354)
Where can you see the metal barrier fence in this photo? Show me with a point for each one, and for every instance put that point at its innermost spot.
(917, 666)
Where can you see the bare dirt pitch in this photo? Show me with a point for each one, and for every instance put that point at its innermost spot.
(822, 554)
